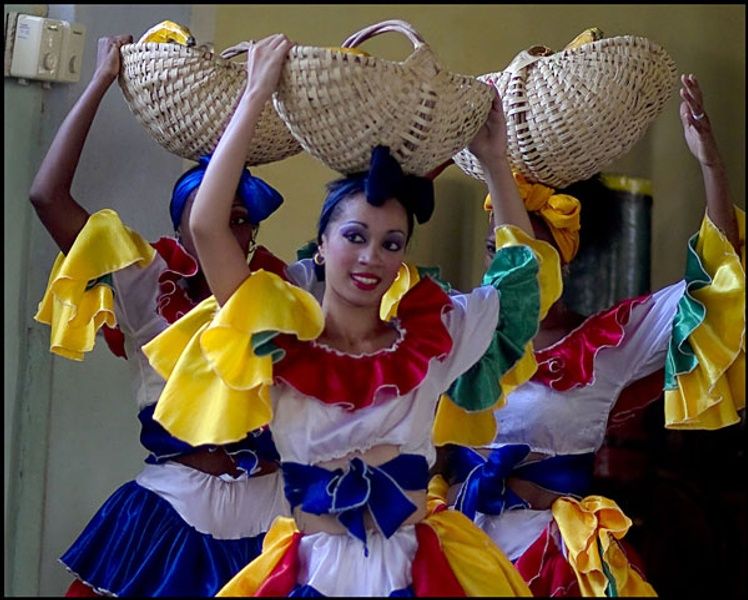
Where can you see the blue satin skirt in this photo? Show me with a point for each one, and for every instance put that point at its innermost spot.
(137, 544)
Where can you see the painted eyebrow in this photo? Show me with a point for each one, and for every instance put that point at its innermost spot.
(365, 226)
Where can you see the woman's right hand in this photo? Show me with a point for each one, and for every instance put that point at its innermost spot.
(108, 56)
(265, 60)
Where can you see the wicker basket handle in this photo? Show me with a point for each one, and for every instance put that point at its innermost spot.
(395, 25)
(527, 57)
(236, 50)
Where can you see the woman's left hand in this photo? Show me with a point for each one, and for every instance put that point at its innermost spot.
(696, 126)
(265, 60)
(489, 144)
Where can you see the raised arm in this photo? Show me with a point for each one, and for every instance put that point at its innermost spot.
(697, 130)
(50, 194)
(489, 147)
(221, 257)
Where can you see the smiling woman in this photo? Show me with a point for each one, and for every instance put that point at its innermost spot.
(351, 397)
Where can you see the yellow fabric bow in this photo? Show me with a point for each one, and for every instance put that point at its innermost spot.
(559, 211)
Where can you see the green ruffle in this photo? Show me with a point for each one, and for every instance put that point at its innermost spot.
(307, 250)
(106, 279)
(262, 345)
(514, 273)
(436, 276)
(690, 314)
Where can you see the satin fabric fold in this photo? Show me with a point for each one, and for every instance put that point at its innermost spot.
(216, 386)
(353, 382)
(590, 529)
(561, 212)
(476, 564)
(527, 274)
(705, 367)
(137, 545)
(570, 363)
(350, 493)
(485, 487)
(77, 301)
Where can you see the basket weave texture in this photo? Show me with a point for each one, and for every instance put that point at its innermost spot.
(341, 104)
(571, 113)
(185, 97)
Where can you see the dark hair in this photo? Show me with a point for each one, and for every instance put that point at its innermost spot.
(342, 189)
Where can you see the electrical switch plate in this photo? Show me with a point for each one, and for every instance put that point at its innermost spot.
(36, 50)
(47, 49)
(73, 38)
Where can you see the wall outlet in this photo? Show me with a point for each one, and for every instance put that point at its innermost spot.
(47, 49)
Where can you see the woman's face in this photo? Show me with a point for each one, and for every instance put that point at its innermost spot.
(243, 230)
(363, 249)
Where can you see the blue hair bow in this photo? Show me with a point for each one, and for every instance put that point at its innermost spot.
(387, 180)
(260, 199)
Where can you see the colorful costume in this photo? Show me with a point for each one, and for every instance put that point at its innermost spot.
(174, 530)
(323, 404)
(553, 424)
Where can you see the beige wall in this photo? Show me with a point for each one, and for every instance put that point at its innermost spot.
(708, 40)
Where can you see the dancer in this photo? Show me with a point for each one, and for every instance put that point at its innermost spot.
(350, 397)
(528, 490)
(194, 515)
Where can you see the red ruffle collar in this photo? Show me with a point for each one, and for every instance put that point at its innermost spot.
(354, 381)
(173, 300)
(570, 362)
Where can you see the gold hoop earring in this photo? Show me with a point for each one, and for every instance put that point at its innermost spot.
(318, 259)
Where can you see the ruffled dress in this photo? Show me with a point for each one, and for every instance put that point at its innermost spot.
(173, 530)
(322, 404)
(553, 424)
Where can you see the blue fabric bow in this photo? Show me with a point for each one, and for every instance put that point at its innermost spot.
(485, 490)
(349, 493)
(260, 199)
(387, 180)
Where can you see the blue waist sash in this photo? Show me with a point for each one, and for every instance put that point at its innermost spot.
(162, 446)
(349, 493)
(485, 490)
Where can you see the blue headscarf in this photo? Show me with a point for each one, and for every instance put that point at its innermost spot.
(260, 199)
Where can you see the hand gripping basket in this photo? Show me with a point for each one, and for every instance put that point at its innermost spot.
(185, 98)
(571, 113)
(341, 104)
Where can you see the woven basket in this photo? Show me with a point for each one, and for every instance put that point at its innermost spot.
(185, 97)
(341, 104)
(571, 113)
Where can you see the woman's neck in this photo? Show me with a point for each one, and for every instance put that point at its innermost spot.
(197, 287)
(354, 329)
(559, 322)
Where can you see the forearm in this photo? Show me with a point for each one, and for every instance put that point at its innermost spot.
(719, 205)
(212, 208)
(50, 194)
(221, 257)
(55, 175)
(508, 208)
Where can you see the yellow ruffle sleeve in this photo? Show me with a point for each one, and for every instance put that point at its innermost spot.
(455, 425)
(75, 305)
(710, 396)
(216, 385)
(589, 529)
